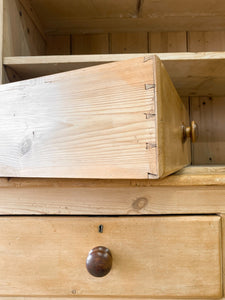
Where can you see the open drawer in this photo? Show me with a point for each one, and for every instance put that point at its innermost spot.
(119, 120)
(150, 256)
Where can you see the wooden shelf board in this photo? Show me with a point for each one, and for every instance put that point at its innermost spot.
(193, 190)
(193, 74)
(102, 16)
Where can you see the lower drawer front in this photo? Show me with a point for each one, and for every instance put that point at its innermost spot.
(151, 256)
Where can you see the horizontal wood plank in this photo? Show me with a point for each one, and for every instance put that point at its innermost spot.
(111, 16)
(197, 191)
(196, 74)
(50, 253)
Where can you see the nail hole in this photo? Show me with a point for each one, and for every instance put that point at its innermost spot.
(28, 30)
(210, 158)
(203, 103)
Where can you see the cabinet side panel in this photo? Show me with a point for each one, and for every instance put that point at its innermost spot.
(21, 36)
(173, 153)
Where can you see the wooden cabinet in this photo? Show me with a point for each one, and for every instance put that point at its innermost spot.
(130, 130)
(151, 256)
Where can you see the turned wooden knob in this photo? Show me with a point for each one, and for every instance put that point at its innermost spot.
(190, 132)
(99, 261)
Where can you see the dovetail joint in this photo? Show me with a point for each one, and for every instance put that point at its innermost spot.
(149, 115)
(151, 174)
(149, 86)
(150, 146)
(147, 58)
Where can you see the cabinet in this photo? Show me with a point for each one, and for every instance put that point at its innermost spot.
(48, 37)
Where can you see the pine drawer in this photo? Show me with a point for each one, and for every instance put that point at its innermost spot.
(151, 256)
(118, 120)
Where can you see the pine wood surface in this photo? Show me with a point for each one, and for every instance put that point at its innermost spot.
(50, 253)
(189, 72)
(100, 16)
(102, 122)
(96, 118)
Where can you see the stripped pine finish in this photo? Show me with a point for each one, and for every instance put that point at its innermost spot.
(52, 252)
(189, 72)
(129, 15)
(111, 121)
(153, 257)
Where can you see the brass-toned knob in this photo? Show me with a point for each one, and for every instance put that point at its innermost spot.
(190, 132)
(99, 261)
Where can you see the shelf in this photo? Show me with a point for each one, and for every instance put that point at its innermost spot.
(99, 16)
(193, 74)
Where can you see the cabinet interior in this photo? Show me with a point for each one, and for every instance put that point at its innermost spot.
(45, 37)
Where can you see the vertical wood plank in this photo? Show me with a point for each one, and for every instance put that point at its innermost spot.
(206, 41)
(21, 36)
(90, 44)
(208, 112)
(27, 4)
(129, 42)
(167, 42)
(58, 45)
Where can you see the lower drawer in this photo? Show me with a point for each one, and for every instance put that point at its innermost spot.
(151, 256)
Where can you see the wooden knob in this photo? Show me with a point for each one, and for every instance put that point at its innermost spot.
(99, 261)
(190, 132)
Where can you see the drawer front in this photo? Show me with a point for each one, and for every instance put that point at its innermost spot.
(151, 256)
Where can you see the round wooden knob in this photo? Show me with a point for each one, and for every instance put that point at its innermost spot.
(99, 261)
(190, 132)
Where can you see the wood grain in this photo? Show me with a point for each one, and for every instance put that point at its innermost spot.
(181, 261)
(100, 16)
(129, 42)
(174, 154)
(45, 139)
(90, 44)
(58, 134)
(195, 74)
(167, 42)
(27, 4)
(21, 36)
(206, 41)
(58, 45)
(208, 112)
(194, 190)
